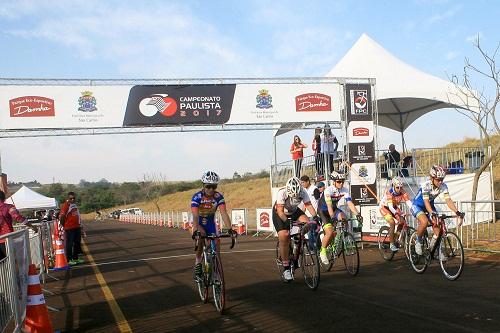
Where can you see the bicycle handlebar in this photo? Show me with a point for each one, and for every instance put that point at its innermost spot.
(229, 233)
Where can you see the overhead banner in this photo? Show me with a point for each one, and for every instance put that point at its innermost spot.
(65, 107)
(361, 138)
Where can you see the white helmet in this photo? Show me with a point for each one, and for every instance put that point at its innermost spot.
(293, 187)
(210, 177)
(397, 182)
(337, 175)
(437, 171)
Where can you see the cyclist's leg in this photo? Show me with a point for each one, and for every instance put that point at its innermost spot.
(389, 218)
(283, 230)
(327, 229)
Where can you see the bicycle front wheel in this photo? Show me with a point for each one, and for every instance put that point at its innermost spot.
(203, 282)
(406, 241)
(384, 243)
(418, 262)
(310, 266)
(218, 285)
(451, 256)
(350, 254)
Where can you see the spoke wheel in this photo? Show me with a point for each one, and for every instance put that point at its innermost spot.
(451, 256)
(325, 268)
(406, 241)
(310, 266)
(350, 254)
(384, 243)
(203, 283)
(218, 285)
(419, 263)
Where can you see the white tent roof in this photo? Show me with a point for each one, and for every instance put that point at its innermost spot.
(26, 198)
(404, 93)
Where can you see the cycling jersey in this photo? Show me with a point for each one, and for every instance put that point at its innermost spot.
(333, 195)
(428, 191)
(207, 206)
(391, 201)
(290, 204)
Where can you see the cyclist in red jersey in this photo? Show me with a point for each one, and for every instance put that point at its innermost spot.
(389, 207)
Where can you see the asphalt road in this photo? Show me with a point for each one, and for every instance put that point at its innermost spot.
(147, 278)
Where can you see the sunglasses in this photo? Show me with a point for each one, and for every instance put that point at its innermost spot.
(398, 187)
(71, 198)
(210, 187)
(339, 181)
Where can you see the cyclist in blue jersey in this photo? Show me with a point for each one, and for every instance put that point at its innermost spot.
(423, 204)
(204, 204)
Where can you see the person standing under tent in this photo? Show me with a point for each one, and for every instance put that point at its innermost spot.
(297, 151)
(329, 146)
(318, 156)
(204, 204)
(9, 213)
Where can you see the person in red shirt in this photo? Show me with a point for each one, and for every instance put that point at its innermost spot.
(297, 151)
(8, 213)
(69, 217)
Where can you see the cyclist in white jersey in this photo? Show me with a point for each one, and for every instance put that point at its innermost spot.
(329, 211)
(423, 204)
(285, 210)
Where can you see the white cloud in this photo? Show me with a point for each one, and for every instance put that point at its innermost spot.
(473, 38)
(442, 16)
(451, 55)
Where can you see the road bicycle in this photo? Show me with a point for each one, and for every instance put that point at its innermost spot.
(447, 247)
(213, 274)
(401, 241)
(303, 254)
(343, 244)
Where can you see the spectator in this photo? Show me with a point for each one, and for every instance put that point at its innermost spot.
(392, 159)
(312, 191)
(8, 213)
(329, 145)
(318, 156)
(70, 219)
(297, 151)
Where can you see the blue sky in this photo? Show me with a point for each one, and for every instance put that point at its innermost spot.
(199, 39)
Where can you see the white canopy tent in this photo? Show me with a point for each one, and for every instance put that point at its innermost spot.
(404, 93)
(26, 198)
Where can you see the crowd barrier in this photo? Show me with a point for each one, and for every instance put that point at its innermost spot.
(23, 247)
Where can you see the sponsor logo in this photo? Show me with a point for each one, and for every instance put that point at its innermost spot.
(363, 171)
(32, 106)
(360, 131)
(158, 103)
(363, 192)
(193, 106)
(264, 99)
(313, 102)
(361, 150)
(87, 102)
(264, 220)
(359, 102)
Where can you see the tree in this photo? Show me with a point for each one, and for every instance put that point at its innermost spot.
(154, 186)
(481, 105)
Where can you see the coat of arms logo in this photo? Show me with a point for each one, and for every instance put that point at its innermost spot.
(87, 102)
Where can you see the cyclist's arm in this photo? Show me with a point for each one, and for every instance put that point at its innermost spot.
(196, 218)
(427, 204)
(310, 208)
(329, 204)
(351, 206)
(224, 215)
(280, 209)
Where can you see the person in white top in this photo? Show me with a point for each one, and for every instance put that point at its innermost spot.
(285, 210)
(312, 191)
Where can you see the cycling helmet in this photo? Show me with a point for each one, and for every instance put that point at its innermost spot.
(437, 171)
(293, 187)
(396, 182)
(210, 177)
(337, 175)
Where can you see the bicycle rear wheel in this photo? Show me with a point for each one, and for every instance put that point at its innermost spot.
(328, 267)
(350, 254)
(218, 285)
(451, 256)
(384, 243)
(419, 263)
(310, 266)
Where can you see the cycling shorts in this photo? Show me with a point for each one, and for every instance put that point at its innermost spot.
(208, 226)
(326, 218)
(418, 210)
(279, 224)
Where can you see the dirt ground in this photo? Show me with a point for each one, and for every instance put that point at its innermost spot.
(148, 271)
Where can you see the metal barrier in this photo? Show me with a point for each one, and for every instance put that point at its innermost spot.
(6, 313)
(482, 230)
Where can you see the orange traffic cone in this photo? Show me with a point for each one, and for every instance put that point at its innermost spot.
(61, 261)
(37, 316)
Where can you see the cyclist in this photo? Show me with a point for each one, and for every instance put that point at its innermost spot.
(329, 211)
(285, 210)
(389, 207)
(204, 204)
(423, 204)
